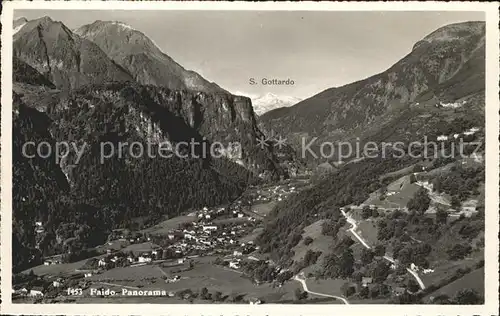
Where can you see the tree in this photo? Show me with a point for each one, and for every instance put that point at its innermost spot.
(374, 290)
(364, 292)
(413, 286)
(204, 293)
(379, 250)
(455, 203)
(405, 255)
(299, 294)
(366, 256)
(357, 276)
(468, 297)
(310, 257)
(346, 264)
(235, 297)
(347, 289)
(381, 271)
(441, 216)
(459, 251)
(366, 212)
(217, 297)
(442, 299)
(308, 240)
(284, 276)
(420, 202)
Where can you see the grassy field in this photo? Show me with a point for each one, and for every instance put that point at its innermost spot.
(59, 269)
(445, 270)
(204, 274)
(320, 243)
(263, 208)
(253, 235)
(330, 286)
(474, 280)
(164, 227)
(140, 248)
(129, 275)
(367, 229)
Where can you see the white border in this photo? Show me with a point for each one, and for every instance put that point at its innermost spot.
(492, 167)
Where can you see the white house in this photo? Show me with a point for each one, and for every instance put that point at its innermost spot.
(471, 131)
(56, 283)
(144, 259)
(87, 275)
(234, 265)
(237, 253)
(442, 137)
(35, 292)
(413, 267)
(101, 263)
(209, 228)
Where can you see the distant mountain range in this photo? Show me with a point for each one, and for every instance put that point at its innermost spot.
(270, 101)
(399, 103)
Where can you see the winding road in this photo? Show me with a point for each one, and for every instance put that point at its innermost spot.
(301, 279)
(353, 228)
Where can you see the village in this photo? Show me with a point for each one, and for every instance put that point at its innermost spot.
(212, 232)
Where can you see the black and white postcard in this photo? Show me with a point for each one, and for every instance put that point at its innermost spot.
(271, 158)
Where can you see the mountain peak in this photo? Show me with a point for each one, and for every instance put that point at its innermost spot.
(142, 57)
(461, 31)
(447, 65)
(118, 24)
(19, 21)
(64, 58)
(271, 101)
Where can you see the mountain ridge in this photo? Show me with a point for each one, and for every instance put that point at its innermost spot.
(137, 53)
(345, 112)
(66, 59)
(270, 101)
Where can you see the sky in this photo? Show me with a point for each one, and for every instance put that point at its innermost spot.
(317, 50)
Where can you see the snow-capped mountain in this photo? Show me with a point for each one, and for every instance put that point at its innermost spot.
(270, 101)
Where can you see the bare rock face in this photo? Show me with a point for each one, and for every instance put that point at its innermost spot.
(156, 114)
(64, 58)
(101, 54)
(138, 54)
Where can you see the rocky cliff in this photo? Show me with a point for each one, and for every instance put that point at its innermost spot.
(66, 59)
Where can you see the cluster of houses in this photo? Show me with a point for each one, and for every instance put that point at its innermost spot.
(274, 193)
(204, 237)
(469, 132)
